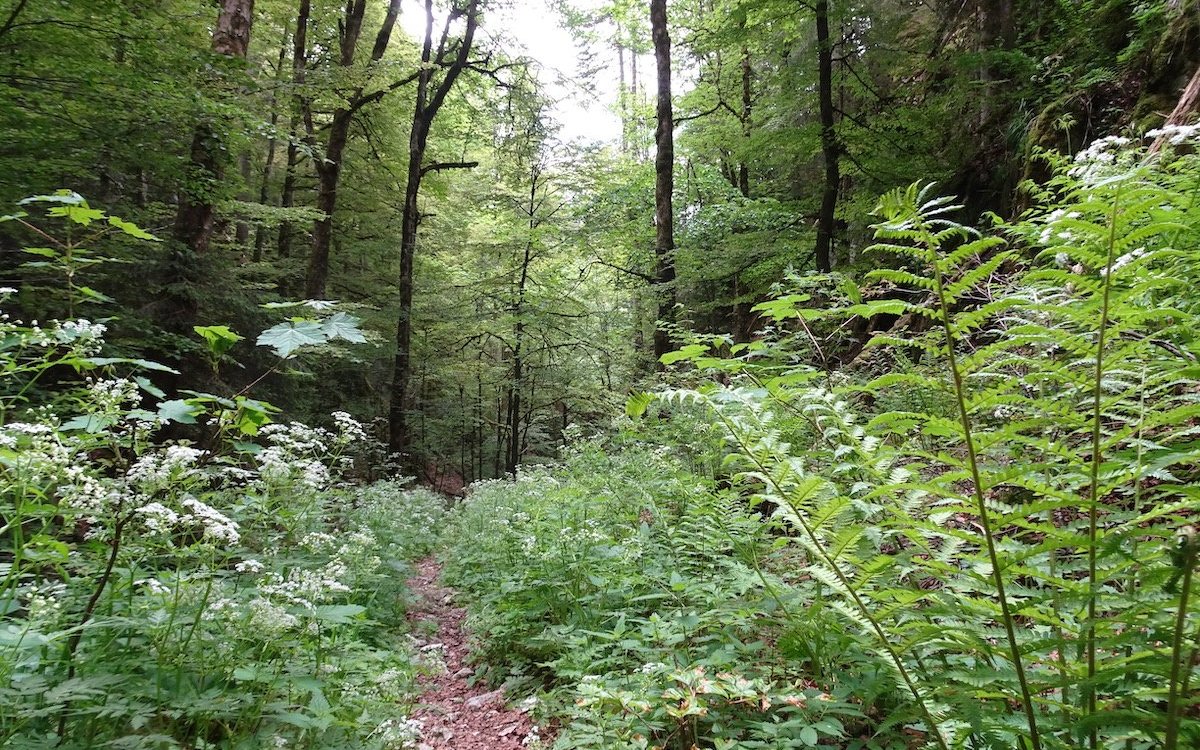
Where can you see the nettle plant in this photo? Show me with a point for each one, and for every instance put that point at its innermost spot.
(213, 593)
(1023, 566)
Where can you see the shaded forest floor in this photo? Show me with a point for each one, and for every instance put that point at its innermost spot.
(455, 715)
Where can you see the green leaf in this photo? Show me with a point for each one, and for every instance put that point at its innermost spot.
(131, 229)
(67, 197)
(178, 410)
(637, 404)
(44, 252)
(144, 364)
(80, 214)
(691, 351)
(148, 387)
(343, 326)
(339, 614)
(220, 339)
(92, 294)
(286, 338)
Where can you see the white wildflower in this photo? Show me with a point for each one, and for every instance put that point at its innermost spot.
(217, 527)
(153, 586)
(249, 566)
(158, 518)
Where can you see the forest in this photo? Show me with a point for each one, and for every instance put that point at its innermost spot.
(600, 374)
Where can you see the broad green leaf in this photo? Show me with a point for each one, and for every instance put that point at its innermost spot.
(220, 339)
(691, 351)
(178, 410)
(131, 229)
(343, 326)
(286, 338)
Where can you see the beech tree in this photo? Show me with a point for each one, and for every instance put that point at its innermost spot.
(664, 183)
(451, 57)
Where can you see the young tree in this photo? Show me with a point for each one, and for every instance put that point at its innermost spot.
(452, 56)
(194, 219)
(664, 183)
(329, 169)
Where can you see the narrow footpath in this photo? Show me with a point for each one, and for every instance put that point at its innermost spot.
(454, 715)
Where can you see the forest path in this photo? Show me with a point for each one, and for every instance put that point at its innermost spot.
(454, 715)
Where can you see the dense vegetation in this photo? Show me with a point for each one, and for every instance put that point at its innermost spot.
(847, 398)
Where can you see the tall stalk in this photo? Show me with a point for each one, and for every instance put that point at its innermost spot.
(931, 247)
(849, 590)
(1094, 479)
(1187, 556)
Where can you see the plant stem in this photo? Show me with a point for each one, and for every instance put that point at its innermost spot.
(88, 610)
(1171, 741)
(847, 588)
(977, 481)
(1094, 480)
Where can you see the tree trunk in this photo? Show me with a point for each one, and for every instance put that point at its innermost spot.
(194, 217)
(264, 188)
(1189, 102)
(518, 351)
(329, 172)
(299, 112)
(830, 148)
(429, 100)
(664, 181)
(743, 175)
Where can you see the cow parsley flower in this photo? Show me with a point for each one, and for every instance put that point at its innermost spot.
(217, 527)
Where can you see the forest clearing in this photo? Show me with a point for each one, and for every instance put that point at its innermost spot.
(599, 374)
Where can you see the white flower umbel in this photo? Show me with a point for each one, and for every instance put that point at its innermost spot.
(218, 528)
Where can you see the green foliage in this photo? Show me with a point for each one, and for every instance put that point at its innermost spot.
(160, 594)
(989, 547)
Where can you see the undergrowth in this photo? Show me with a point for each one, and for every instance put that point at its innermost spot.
(232, 590)
(977, 535)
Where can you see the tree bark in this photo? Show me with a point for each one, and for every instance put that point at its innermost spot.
(264, 188)
(743, 175)
(1189, 102)
(194, 216)
(830, 147)
(429, 100)
(329, 169)
(664, 181)
(300, 111)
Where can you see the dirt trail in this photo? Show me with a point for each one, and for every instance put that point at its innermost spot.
(454, 715)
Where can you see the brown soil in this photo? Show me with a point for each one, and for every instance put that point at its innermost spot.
(454, 715)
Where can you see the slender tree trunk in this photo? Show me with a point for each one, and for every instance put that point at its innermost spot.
(623, 99)
(264, 188)
(830, 148)
(743, 176)
(194, 218)
(518, 370)
(194, 215)
(299, 113)
(664, 182)
(429, 100)
(329, 172)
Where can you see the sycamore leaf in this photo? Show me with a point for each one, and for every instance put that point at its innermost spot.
(68, 197)
(131, 229)
(286, 338)
(178, 410)
(343, 326)
(144, 364)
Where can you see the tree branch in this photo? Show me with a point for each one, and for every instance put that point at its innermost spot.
(438, 166)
